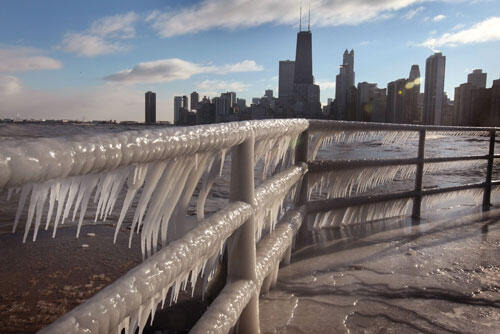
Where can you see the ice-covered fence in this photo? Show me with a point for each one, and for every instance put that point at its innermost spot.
(161, 169)
(56, 178)
(341, 181)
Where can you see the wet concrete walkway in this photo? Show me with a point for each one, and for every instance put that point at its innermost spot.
(436, 277)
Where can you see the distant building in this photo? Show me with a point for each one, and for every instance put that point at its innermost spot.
(466, 109)
(371, 104)
(286, 73)
(395, 101)
(477, 78)
(269, 93)
(242, 104)
(185, 103)
(255, 100)
(411, 110)
(344, 82)
(177, 109)
(434, 88)
(195, 98)
(150, 116)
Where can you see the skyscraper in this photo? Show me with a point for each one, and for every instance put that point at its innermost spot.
(465, 109)
(434, 88)
(150, 108)
(195, 99)
(286, 72)
(477, 78)
(395, 101)
(185, 102)
(344, 83)
(411, 112)
(306, 93)
(303, 59)
(177, 109)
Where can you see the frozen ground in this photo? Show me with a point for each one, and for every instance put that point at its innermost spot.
(436, 277)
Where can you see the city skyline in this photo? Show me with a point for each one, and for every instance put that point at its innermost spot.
(99, 59)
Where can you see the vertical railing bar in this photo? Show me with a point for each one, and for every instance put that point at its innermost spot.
(489, 172)
(417, 201)
(242, 245)
(301, 156)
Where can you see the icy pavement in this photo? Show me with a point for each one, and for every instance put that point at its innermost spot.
(436, 277)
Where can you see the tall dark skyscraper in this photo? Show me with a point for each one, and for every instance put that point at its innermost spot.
(434, 89)
(150, 108)
(305, 101)
(303, 59)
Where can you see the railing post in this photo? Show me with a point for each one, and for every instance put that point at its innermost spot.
(301, 156)
(417, 201)
(301, 152)
(489, 172)
(241, 246)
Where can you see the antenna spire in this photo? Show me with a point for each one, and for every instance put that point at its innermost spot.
(300, 19)
(309, 19)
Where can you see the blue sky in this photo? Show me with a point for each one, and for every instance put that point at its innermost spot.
(95, 59)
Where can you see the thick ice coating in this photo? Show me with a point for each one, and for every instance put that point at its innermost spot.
(270, 195)
(128, 302)
(59, 157)
(224, 312)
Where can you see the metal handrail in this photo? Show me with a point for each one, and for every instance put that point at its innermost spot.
(252, 266)
(320, 125)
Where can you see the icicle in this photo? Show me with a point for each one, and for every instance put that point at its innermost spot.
(22, 200)
(60, 198)
(89, 185)
(9, 193)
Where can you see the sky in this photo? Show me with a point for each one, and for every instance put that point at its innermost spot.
(87, 60)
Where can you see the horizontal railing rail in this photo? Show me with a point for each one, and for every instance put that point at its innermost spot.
(255, 229)
(321, 125)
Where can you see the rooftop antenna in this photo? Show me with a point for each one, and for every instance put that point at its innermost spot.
(300, 19)
(309, 20)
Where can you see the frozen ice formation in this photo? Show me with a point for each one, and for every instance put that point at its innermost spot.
(224, 312)
(60, 157)
(127, 303)
(270, 196)
(165, 164)
(345, 182)
(363, 213)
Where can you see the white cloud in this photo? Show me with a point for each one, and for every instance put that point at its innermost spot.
(231, 14)
(118, 26)
(176, 69)
(243, 66)
(9, 85)
(326, 84)
(412, 12)
(216, 86)
(20, 59)
(458, 27)
(103, 37)
(90, 45)
(438, 18)
(485, 31)
(104, 102)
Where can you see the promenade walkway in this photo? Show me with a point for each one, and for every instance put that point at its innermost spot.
(436, 277)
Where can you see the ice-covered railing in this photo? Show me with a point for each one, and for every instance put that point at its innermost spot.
(344, 189)
(158, 172)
